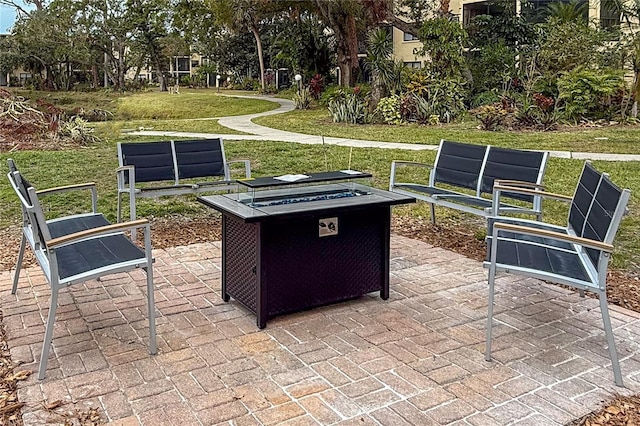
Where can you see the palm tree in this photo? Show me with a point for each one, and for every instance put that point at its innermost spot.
(573, 11)
(385, 75)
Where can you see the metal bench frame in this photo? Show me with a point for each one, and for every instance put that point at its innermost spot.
(576, 255)
(475, 168)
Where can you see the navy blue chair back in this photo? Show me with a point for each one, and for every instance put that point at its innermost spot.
(153, 161)
(512, 164)
(459, 164)
(199, 158)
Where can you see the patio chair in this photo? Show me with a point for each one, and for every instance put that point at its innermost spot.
(72, 250)
(576, 255)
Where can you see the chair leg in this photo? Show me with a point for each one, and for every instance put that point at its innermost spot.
(132, 214)
(492, 278)
(16, 276)
(433, 214)
(48, 334)
(151, 306)
(613, 353)
(119, 209)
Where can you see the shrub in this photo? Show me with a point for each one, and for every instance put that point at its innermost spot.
(491, 117)
(302, 99)
(78, 131)
(339, 92)
(316, 86)
(485, 98)
(389, 110)
(349, 109)
(590, 94)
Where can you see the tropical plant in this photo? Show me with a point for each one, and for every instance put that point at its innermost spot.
(573, 11)
(302, 99)
(590, 94)
(349, 109)
(444, 41)
(491, 117)
(389, 110)
(316, 86)
(385, 76)
(78, 131)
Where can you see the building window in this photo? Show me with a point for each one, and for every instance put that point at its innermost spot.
(195, 64)
(609, 16)
(410, 37)
(183, 64)
(414, 64)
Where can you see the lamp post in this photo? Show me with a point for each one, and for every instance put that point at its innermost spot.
(218, 83)
(298, 79)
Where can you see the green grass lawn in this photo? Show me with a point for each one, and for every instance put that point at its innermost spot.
(98, 162)
(623, 140)
(200, 103)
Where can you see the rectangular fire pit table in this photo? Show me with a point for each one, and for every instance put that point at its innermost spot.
(287, 247)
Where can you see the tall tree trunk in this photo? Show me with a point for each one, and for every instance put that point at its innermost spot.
(161, 80)
(94, 76)
(345, 32)
(636, 94)
(256, 34)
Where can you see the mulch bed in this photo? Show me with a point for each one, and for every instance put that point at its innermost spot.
(623, 290)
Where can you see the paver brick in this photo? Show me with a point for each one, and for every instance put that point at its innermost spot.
(280, 413)
(417, 358)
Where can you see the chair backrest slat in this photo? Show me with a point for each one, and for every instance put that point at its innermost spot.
(597, 209)
(605, 215)
(31, 208)
(583, 197)
(513, 164)
(459, 164)
(200, 158)
(153, 161)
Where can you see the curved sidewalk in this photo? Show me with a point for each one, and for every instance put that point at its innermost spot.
(244, 123)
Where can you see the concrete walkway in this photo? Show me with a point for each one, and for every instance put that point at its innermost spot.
(414, 359)
(244, 123)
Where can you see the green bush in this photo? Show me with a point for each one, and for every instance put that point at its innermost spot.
(389, 110)
(349, 109)
(491, 117)
(590, 94)
(302, 99)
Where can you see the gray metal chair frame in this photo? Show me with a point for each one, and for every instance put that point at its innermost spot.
(576, 255)
(168, 162)
(474, 168)
(74, 257)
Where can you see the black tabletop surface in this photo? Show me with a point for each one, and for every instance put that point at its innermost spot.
(233, 204)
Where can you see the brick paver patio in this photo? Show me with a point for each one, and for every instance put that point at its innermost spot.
(416, 359)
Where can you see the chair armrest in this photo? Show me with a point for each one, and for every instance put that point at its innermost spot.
(411, 163)
(572, 239)
(401, 163)
(518, 183)
(79, 186)
(247, 167)
(91, 186)
(530, 189)
(89, 233)
(120, 174)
